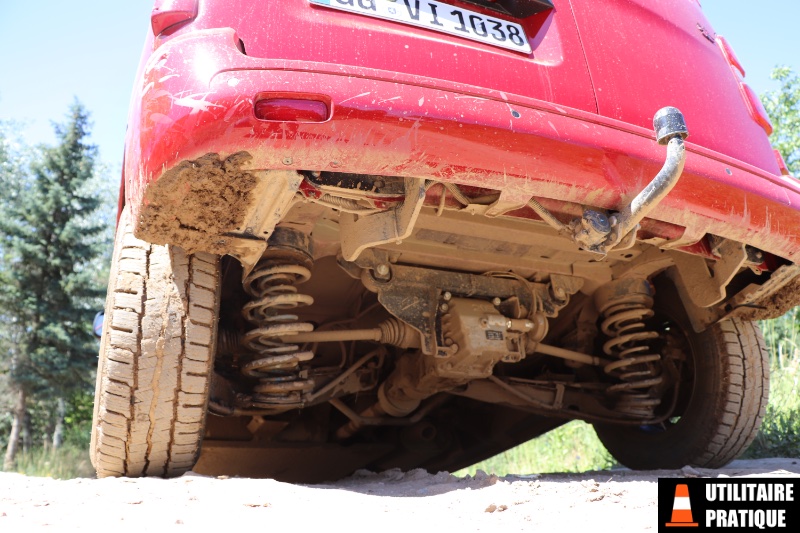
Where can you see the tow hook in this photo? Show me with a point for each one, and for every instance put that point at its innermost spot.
(599, 233)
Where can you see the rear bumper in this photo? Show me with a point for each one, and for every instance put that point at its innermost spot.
(196, 98)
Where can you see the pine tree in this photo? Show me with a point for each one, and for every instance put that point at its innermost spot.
(50, 233)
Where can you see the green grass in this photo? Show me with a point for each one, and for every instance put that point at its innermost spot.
(780, 431)
(573, 447)
(65, 463)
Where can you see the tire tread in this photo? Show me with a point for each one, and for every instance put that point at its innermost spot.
(736, 359)
(156, 359)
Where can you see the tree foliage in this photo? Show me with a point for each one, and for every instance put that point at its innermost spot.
(783, 107)
(14, 161)
(50, 236)
(52, 233)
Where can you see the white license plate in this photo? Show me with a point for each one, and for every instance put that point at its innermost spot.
(441, 17)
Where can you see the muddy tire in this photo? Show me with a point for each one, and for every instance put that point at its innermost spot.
(156, 355)
(724, 403)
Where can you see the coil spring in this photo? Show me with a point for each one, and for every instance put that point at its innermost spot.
(278, 365)
(638, 369)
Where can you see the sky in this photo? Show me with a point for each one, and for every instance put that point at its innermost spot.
(59, 50)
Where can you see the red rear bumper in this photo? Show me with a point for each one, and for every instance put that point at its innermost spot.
(197, 95)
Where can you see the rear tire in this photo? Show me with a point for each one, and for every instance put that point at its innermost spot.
(720, 418)
(156, 357)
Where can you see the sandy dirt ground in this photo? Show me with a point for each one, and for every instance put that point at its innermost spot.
(415, 501)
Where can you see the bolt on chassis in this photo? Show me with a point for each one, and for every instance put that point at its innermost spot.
(377, 234)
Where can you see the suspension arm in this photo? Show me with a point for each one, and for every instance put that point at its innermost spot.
(570, 355)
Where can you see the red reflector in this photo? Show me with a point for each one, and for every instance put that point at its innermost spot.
(781, 163)
(291, 110)
(730, 55)
(167, 13)
(755, 107)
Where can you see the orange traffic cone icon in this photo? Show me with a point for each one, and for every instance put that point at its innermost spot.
(682, 509)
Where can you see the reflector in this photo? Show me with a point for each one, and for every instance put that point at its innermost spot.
(291, 110)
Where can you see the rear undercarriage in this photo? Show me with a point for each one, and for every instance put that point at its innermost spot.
(376, 328)
(429, 356)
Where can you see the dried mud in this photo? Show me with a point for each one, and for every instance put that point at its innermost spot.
(197, 202)
(775, 305)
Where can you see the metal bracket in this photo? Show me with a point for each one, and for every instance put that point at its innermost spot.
(362, 232)
(703, 287)
(690, 236)
(653, 260)
(510, 199)
(561, 288)
(598, 233)
(276, 191)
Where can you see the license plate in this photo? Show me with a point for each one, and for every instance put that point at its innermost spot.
(441, 17)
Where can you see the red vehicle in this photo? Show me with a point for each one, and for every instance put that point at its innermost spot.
(401, 233)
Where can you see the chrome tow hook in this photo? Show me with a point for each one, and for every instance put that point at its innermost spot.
(599, 233)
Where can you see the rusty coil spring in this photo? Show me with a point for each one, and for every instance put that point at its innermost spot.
(635, 366)
(277, 365)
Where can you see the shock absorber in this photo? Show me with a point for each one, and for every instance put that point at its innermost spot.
(625, 305)
(279, 366)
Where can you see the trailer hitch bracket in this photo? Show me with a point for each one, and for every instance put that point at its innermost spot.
(600, 233)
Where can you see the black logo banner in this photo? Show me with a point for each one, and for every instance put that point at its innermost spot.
(729, 504)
